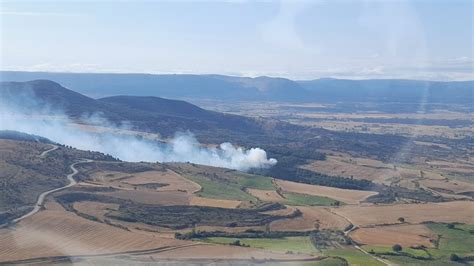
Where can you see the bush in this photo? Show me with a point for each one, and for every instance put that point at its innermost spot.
(397, 248)
(450, 226)
(454, 257)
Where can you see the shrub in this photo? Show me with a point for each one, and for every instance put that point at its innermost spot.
(454, 257)
(397, 248)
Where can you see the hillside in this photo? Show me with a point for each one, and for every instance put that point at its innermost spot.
(30, 165)
(150, 114)
(220, 87)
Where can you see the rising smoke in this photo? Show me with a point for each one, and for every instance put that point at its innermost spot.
(182, 148)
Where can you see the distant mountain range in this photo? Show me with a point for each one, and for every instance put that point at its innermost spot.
(219, 87)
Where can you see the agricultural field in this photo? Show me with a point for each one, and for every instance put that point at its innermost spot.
(450, 240)
(312, 218)
(358, 168)
(446, 212)
(55, 232)
(348, 196)
(406, 235)
(292, 198)
(284, 244)
(340, 207)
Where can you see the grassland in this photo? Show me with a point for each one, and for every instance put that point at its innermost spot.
(299, 244)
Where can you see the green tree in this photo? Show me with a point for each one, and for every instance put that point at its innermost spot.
(397, 248)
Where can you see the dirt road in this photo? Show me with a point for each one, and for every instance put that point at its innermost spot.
(42, 196)
(54, 147)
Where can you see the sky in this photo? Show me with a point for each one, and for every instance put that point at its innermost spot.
(430, 39)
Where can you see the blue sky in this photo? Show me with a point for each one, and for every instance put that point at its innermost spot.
(429, 39)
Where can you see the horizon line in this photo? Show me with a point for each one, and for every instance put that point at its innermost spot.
(230, 75)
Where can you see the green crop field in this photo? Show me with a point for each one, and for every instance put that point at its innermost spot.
(223, 185)
(297, 244)
(298, 199)
(220, 190)
(254, 181)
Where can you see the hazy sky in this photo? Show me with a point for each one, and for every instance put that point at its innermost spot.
(429, 39)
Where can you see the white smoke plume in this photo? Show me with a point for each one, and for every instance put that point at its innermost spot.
(182, 148)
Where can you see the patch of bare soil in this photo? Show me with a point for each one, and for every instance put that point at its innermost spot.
(407, 235)
(312, 218)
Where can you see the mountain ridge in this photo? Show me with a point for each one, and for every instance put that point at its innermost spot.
(231, 88)
(146, 113)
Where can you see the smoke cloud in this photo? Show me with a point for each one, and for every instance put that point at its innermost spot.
(182, 148)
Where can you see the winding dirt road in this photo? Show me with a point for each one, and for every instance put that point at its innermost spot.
(53, 148)
(42, 196)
